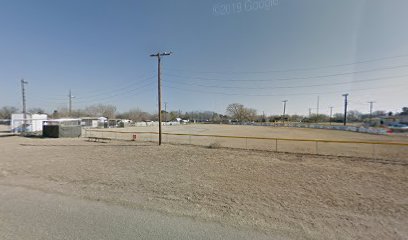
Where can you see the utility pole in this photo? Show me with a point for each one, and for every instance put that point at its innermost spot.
(24, 105)
(317, 108)
(165, 111)
(284, 109)
(70, 103)
(331, 114)
(159, 55)
(310, 113)
(371, 109)
(345, 108)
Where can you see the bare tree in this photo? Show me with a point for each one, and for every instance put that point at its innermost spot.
(101, 110)
(5, 112)
(236, 111)
(36, 111)
(136, 115)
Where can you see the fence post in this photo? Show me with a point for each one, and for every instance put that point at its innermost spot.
(276, 145)
(373, 150)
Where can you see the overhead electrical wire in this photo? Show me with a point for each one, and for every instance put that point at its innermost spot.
(290, 87)
(118, 94)
(277, 95)
(294, 69)
(287, 79)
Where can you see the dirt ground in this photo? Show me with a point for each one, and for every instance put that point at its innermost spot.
(350, 149)
(295, 196)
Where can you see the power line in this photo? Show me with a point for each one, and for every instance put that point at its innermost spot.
(278, 95)
(125, 88)
(295, 69)
(119, 94)
(291, 78)
(291, 87)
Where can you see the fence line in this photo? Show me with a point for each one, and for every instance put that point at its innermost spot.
(258, 138)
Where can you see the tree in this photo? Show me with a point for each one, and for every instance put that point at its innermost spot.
(240, 113)
(236, 111)
(5, 112)
(101, 110)
(404, 111)
(36, 111)
(136, 115)
(354, 116)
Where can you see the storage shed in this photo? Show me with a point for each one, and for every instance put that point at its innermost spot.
(62, 128)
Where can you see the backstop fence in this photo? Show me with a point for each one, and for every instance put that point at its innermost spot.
(369, 149)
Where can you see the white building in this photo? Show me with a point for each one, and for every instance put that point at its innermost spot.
(34, 122)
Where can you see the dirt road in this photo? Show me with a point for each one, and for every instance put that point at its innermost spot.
(293, 196)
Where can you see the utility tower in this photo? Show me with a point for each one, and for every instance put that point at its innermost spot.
(24, 104)
(158, 56)
(345, 108)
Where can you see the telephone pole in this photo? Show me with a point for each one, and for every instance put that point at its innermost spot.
(284, 110)
(331, 114)
(165, 111)
(24, 104)
(317, 108)
(70, 103)
(345, 108)
(371, 109)
(159, 55)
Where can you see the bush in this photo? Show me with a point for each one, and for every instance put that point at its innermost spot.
(214, 145)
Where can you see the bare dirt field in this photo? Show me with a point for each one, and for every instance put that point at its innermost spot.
(295, 196)
(349, 149)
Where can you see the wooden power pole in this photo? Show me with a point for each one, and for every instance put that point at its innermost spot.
(159, 99)
(24, 105)
(345, 109)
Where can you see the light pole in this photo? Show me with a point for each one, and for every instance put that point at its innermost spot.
(159, 55)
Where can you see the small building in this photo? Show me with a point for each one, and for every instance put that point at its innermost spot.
(62, 128)
(33, 122)
(90, 122)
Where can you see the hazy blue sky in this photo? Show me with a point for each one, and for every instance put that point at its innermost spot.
(100, 50)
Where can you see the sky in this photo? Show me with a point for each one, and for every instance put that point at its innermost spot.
(254, 52)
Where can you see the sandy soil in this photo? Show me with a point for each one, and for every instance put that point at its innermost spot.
(360, 150)
(295, 196)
